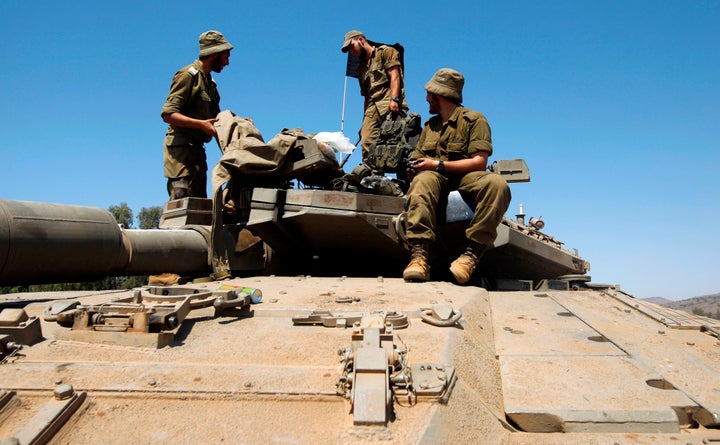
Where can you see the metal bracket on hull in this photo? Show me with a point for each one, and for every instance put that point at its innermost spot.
(375, 372)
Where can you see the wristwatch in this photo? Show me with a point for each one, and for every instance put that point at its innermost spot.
(441, 167)
(395, 99)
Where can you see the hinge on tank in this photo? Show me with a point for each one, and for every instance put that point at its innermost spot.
(330, 319)
(375, 372)
(150, 317)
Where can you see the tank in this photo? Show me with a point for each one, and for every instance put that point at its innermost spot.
(311, 335)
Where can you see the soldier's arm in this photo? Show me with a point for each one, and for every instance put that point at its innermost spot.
(180, 92)
(178, 119)
(395, 88)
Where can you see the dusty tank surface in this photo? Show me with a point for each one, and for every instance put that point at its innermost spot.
(313, 336)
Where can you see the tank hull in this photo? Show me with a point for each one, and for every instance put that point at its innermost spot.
(557, 367)
(343, 353)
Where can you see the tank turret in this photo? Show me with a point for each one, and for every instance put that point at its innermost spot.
(289, 231)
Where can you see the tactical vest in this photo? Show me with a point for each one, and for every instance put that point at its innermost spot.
(395, 142)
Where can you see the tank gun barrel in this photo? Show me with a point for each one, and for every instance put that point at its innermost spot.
(53, 243)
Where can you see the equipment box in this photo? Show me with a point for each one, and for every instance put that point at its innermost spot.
(310, 165)
(186, 212)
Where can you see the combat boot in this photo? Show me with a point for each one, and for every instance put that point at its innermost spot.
(164, 279)
(418, 269)
(464, 266)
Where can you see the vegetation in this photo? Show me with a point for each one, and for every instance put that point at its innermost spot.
(123, 215)
(148, 218)
(702, 313)
(705, 306)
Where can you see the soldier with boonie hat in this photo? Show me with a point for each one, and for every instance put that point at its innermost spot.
(190, 110)
(212, 42)
(448, 83)
(452, 154)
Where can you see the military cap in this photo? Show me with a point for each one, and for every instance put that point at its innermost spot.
(212, 42)
(348, 38)
(446, 83)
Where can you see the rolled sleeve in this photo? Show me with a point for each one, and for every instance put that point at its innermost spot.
(480, 137)
(180, 91)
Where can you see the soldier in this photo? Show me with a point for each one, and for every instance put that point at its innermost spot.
(381, 84)
(190, 110)
(452, 154)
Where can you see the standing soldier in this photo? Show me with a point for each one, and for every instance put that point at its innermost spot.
(190, 110)
(381, 84)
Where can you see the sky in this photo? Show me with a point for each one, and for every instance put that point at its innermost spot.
(614, 105)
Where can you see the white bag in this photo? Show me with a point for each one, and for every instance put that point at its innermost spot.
(336, 140)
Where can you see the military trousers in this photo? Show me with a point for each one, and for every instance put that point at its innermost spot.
(370, 129)
(185, 170)
(488, 191)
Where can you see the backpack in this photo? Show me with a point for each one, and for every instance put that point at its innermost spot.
(395, 142)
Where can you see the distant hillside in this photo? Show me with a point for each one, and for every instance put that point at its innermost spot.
(708, 305)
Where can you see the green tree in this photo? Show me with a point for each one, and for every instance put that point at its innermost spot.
(149, 217)
(123, 215)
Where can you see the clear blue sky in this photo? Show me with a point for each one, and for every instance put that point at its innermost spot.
(615, 106)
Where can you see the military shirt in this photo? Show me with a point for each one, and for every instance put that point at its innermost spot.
(195, 95)
(373, 77)
(464, 134)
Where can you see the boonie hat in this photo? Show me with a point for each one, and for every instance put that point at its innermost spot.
(348, 38)
(446, 83)
(212, 42)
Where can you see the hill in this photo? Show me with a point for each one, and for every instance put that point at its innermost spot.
(707, 305)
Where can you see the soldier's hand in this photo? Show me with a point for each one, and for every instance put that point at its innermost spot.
(410, 172)
(422, 164)
(208, 128)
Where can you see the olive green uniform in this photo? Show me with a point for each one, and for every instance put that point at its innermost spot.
(465, 133)
(194, 95)
(375, 87)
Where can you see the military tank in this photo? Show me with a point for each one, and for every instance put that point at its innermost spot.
(311, 335)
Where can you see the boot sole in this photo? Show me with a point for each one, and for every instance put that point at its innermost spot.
(458, 275)
(415, 277)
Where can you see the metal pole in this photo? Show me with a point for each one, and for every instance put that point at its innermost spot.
(342, 115)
